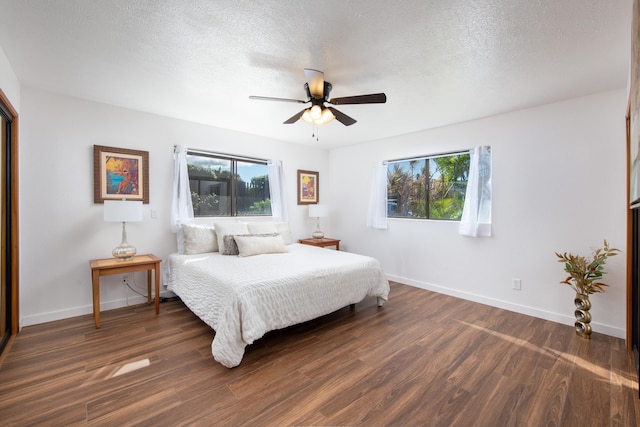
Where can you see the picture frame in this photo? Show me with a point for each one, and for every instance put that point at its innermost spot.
(308, 187)
(120, 173)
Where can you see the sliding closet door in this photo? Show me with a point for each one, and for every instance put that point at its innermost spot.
(5, 274)
(8, 221)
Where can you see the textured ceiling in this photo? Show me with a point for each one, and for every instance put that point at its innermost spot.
(438, 61)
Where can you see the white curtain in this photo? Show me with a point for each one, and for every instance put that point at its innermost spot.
(181, 206)
(476, 215)
(276, 190)
(377, 215)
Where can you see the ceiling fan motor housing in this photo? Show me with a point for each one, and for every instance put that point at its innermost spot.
(327, 90)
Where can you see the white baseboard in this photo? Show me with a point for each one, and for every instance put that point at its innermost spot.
(79, 311)
(506, 305)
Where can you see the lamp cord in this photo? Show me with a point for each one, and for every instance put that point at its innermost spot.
(128, 285)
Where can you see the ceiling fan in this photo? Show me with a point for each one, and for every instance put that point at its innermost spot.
(318, 95)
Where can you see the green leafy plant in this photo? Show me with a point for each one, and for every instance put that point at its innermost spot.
(584, 275)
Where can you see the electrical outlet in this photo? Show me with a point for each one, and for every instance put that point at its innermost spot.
(516, 284)
(125, 278)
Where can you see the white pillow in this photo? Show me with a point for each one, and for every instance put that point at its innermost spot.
(282, 228)
(229, 229)
(231, 248)
(256, 245)
(199, 238)
(262, 227)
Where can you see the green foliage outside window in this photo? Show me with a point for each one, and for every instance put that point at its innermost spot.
(428, 187)
(224, 186)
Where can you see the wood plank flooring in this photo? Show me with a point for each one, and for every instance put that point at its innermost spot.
(424, 359)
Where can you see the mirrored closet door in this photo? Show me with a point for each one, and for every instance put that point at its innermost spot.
(5, 295)
(8, 222)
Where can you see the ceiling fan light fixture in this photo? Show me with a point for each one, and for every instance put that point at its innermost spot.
(326, 117)
(318, 90)
(306, 117)
(315, 112)
(317, 117)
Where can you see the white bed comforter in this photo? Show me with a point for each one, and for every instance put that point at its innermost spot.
(242, 298)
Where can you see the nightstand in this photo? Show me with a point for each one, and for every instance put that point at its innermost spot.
(323, 243)
(110, 266)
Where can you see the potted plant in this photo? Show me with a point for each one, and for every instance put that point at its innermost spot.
(584, 277)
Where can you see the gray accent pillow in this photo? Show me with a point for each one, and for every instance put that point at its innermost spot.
(229, 246)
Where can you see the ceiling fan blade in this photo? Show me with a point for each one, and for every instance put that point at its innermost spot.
(315, 79)
(294, 118)
(374, 98)
(268, 98)
(342, 117)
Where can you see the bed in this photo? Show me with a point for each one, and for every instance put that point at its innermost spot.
(244, 297)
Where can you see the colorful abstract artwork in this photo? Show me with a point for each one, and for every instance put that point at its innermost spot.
(120, 174)
(308, 189)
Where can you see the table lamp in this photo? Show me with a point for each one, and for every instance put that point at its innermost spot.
(123, 211)
(318, 211)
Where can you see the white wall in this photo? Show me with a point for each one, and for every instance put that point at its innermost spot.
(62, 229)
(558, 180)
(9, 82)
(558, 185)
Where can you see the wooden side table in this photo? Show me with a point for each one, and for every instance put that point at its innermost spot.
(110, 266)
(323, 243)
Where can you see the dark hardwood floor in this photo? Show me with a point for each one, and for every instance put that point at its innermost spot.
(424, 359)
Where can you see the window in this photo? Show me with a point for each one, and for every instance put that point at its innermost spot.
(223, 185)
(430, 187)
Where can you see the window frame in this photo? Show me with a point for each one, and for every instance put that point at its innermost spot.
(233, 171)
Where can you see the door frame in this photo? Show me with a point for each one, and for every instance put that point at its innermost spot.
(13, 216)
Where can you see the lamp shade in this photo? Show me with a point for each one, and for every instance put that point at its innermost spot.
(318, 211)
(122, 210)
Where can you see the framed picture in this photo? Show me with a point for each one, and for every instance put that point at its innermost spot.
(308, 189)
(119, 173)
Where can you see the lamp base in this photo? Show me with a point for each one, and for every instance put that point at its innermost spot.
(124, 252)
(318, 234)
